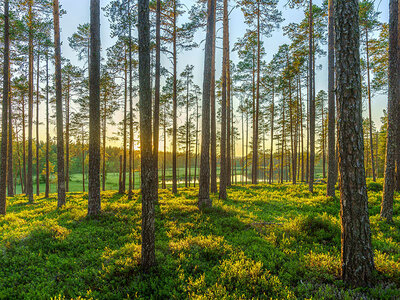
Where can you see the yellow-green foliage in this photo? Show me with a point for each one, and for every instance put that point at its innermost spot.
(264, 242)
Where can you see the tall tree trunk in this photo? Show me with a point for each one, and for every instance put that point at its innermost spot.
(37, 122)
(393, 108)
(131, 141)
(323, 141)
(104, 143)
(228, 109)
(301, 131)
(204, 180)
(187, 133)
(156, 118)
(122, 186)
(312, 98)
(47, 190)
(6, 94)
(271, 159)
(369, 107)
(67, 109)
(332, 163)
(164, 184)
(197, 142)
(59, 109)
(247, 142)
(223, 171)
(29, 184)
(174, 105)
(148, 256)
(94, 203)
(83, 161)
(357, 256)
(10, 187)
(24, 146)
(256, 113)
(213, 145)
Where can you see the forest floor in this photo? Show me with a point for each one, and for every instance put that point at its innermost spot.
(266, 241)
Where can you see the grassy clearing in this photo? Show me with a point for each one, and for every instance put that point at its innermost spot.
(266, 241)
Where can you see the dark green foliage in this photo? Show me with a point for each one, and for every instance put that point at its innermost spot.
(374, 187)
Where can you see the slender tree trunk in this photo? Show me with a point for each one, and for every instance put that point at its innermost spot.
(312, 98)
(122, 182)
(323, 141)
(357, 256)
(37, 122)
(256, 113)
(156, 118)
(332, 163)
(83, 162)
(131, 150)
(59, 109)
(165, 150)
(187, 133)
(10, 188)
(67, 109)
(271, 160)
(24, 146)
(94, 203)
(204, 180)
(104, 143)
(213, 183)
(47, 190)
(174, 104)
(393, 108)
(223, 172)
(147, 158)
(197, 142)
(29, 185)
(228, 109)
(247, 142)
(369, 107)
(283, 138)
(301, 131)
(3, 161)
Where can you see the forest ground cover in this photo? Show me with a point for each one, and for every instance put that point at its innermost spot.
(265, 241)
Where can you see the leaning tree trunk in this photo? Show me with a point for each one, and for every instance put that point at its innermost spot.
(356, 256)
(204, 180)
(393, 108)
(94, 201)
(59, 109)
(3, 153)
(332, 164)
(29, 183)
(147, 158)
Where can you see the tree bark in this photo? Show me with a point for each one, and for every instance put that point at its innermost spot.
(47, 189)
(94, 201)
(213, 184)
(312, 99)
(59, 109)
(156, 119)
(393, 108)
(369, 107)
(10, 184)
(332, 163)
(174, 104)
(29, 184)
(223, 171)
(204, 180)
(356, 253)
(147, 158)
(271, 159)
(37, 121)
(67, 109)
(3, 161)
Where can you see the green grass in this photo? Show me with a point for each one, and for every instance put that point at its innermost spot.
(265, 241)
